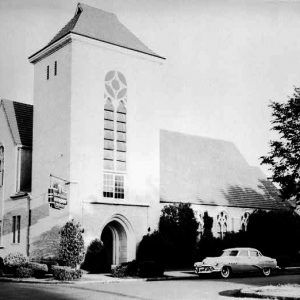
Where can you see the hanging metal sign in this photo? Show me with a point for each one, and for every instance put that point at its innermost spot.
(57, 193)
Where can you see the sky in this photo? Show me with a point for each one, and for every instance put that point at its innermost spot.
(225, 60)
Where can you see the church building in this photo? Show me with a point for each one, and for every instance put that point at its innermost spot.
(90, 151)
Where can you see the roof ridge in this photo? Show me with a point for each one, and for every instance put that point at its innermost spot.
(66, 29)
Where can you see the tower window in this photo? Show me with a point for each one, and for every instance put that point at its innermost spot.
(113, 186)
(16, 229)
(48, 72)
(55, 68)
(114, 135)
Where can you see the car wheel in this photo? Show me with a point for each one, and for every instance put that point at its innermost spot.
(225, 272)
(266, 271)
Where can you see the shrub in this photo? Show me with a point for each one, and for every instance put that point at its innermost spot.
(65, 273)
(50, 262)
(71, 247)
(39, 270)
(23, 272)
(95, 258)
(150, 269)
(14, 260)
(275, 232)
(119, 271)
(1, 266)
(126, 269)
(152, 247)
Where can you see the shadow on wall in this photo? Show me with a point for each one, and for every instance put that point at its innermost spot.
(46, 245)
(37, 214)
(247, 197)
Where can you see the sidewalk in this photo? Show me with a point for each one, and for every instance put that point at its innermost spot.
(104, 278)
(107, 278)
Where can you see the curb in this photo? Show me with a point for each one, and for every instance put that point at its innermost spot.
(265, 296)
(23, 280)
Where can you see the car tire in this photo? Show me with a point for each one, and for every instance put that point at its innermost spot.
(266, 271)
(226, 272)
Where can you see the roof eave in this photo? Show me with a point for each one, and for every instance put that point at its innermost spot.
(67, 38)
(49, 49)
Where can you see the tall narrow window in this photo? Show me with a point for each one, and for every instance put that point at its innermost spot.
(55, 68)
(244, 221)
(48, 72)
(222, 221)
(121, 137)
(114, 135)
(119, 187)
(109, 135)
(16, 229)
(1, 165)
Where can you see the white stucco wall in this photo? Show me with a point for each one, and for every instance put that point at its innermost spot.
(51, 136)
(8, 206)
(90, 63)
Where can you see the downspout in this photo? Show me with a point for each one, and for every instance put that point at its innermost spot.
(28, 224)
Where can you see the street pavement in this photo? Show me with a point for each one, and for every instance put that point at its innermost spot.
(189, 288)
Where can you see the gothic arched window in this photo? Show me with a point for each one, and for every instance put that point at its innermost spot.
(244, 221)
(222, 221)
(114, 135)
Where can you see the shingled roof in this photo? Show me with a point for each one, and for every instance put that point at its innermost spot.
(211, 172)
(20, 120)
(103, 26)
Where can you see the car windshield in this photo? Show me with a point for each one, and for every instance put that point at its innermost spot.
(230, 253)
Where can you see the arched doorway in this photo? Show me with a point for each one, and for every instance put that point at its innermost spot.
(115, 242)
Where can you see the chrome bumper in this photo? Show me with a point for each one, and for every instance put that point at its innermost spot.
(206, 269)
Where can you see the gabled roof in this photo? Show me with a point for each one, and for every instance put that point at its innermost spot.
(103, 26)
(211, 172)
(20, 120)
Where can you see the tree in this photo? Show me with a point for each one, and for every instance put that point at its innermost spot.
(284, 156)
(71, 246)
(179, 229)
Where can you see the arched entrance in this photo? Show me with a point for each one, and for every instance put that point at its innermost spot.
(118, 241)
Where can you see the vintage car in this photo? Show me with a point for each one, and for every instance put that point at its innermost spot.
(236, 260)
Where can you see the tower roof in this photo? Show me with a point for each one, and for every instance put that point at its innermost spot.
(103, 26)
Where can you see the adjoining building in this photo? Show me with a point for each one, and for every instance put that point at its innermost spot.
(99, 157)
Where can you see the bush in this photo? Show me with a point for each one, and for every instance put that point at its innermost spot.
(65, 273)
(119, 271)
(71, 247)
(39, 270)
(150, 269)
(95, 258)
(126, 269)
(275, 232)
(1, 266)
(152, 247)
(23, 272)
(50, 262)
(14, 260)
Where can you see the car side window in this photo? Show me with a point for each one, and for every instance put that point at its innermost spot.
(243, 253)
(253, 253)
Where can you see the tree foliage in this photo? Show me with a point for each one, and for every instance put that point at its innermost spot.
(284, 156)
(71, 247)
(179, 229)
